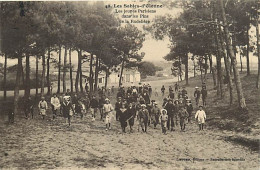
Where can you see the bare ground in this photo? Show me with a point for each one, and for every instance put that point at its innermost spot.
(38, 144)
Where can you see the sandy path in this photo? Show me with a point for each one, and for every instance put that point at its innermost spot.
(52, 144)
(38, 144)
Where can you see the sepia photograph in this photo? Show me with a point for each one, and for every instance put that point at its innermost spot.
(130, 85)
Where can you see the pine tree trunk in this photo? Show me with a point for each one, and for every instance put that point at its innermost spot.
(91, 73)
(80, 74)
(214, 76)
(96, 74)
(187, 69)
(71, 79)
(240, 95)
(23, 79)
(227, 67)
(43, 75)
(5, 69)
(59, 70)
(258, 48)
(48, 71)
(194, 67)
(206, 67)
(247, 52)
(241, 64)
(37, 76)
(210, 63)
(219, 68)
(17, 85)
(65, 70)
(107, 73)
(27, 77)
(121, 73)
(180, 71)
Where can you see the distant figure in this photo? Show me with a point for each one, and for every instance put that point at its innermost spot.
(86, 87)
(176, 86)
(200, 116)
(197, 95)
(28, 107)
(204, 94)
(43, 107)
(163, 90)
(156, 92)
(184, 91)
(112, 89)
(164, 120)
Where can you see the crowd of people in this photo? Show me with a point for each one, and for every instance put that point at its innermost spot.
(134, 105)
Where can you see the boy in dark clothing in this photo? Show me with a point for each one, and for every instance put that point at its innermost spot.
(204, 94)
(162, 90)
(101, 104)
(197, 95)
(170, 111)
(189, 109)
(184, 91)
(183, 115)
(93, 107)
(118, 105)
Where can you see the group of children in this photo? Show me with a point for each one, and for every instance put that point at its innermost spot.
(133, 104)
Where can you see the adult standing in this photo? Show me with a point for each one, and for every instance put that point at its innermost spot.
(123, 117)
(143, 116)
(170, 111)
(68, 109)
(93, 107)
(197, 95)
(204, 94)
(155, 114)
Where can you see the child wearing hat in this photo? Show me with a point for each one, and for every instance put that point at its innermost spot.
(164, 119)
(201, 117)
(107, 109)
(143, 116)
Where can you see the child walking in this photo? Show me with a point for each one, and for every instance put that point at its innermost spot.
(107, 109)
(43, 107)
(164, 119)
(201, 117)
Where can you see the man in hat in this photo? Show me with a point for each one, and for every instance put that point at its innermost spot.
(171, 114)
(155, 114)
(107, 110)
(197, 95)
(200, 116)
(118, 105)
(143, 116)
